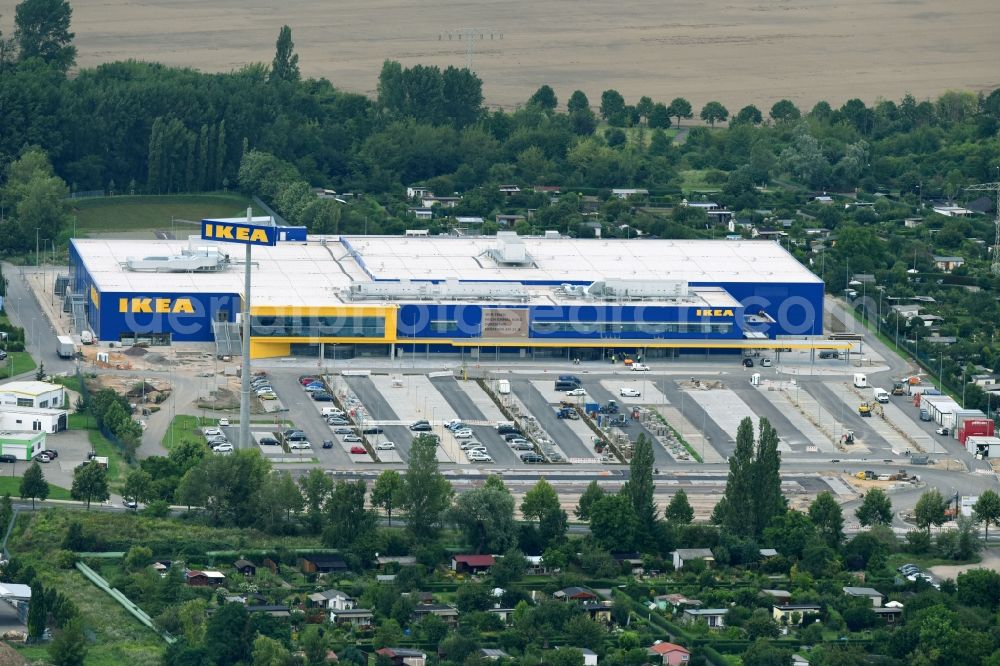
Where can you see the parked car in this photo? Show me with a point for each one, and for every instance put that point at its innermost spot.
(212, 432)
(421, 426)
(576, 391)
(386, 446)
(223, 448)
(288, 432)
(317, 386)
(296, 437)
(3, 355)
(748, 363)
(531, 458)
(455, 426)
(338, 422)
(305, 381)
(941, 430)
(358, 450)
(476, 449)
(299, 445)
(342, 430)
(372, 430)
(212, 441)
(511, 436)
(130, 504)
(9, 458)
(640, 367)
(322, 396)
(43, 458)
(522, 446)
(463, 434)
(517, 440)
(505, 428)
(627, 392)
(327, 443)
(268, 396)
(352, 438)
(469, 444)
(268, 441)
(478, 456)
(223, 422)
(51, 453)
(765, 363)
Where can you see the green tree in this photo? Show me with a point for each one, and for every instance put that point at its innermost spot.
(875, 508)
(38, 610)
(584, 632)
(33, 484)
(749, 115)
(929, 510)
(613, 107)
(679, 108)
(714, 112)
(544, 98)
(509, 568)
(387, 633)
(387, 492)
(789, 533)
(313, 644)
(348, 523)
(640, 489)
(679, 510)
(588, 498)
(541, 503)
(761, 625)
(979, 587)
(784, 111)
(90, 483)
(613, 522)
(486, 518)
(828, 518)
(285, 66)
(69, 645)
(192, 490)
(986, 510)
(317, 487)
(426, 491)
(41, 30)
(578, 102)
(270, 652)
(763, 652)
(659, 116)
(644, 107)
(138, 557)
(138, 486)
(229, 635)
(735, 511)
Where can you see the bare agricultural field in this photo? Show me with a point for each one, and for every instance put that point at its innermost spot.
(737, 51)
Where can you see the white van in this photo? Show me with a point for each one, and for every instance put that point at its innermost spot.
(881, 395)
(503, 386)
(860, 380)
(331, 411)
(86, 337)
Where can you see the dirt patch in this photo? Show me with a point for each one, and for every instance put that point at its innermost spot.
(738, 52)
(701, 385)
(991, 560)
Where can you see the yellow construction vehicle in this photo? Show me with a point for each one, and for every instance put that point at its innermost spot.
(865, 409)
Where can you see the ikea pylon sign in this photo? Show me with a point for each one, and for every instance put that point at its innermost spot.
(237, 232)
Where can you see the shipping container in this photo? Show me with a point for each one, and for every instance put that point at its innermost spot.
(976, 428)
(983, 447)
(961, 416)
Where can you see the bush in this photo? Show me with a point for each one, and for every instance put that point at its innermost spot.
(65, 559)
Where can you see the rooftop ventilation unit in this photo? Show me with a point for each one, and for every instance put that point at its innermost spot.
(444, 291)
(615, 290)
(204, 260)
(509, 250)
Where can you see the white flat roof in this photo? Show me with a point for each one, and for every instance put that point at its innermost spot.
(581, 260)
(316, 272)
(31, 388)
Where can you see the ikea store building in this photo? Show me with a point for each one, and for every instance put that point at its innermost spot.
(392, 296)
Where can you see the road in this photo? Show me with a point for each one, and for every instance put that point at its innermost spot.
(305, 416)
(558, 431)
(379, 409)
(23, 309)
(466, 409)
(698, 417)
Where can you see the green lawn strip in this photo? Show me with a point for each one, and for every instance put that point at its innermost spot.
(103, 447)
(129, 213)
(72, 382)
(11, 485)
(185, 428)
(21, 361)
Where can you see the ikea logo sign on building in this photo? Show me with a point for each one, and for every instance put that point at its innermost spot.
(713, 313)
(235, 232)
(156, 305)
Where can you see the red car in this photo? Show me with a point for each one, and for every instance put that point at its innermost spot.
(305, 381)
(358, 449)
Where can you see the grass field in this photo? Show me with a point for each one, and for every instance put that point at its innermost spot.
(21, 361)
(697, 180)
(184, 428)
(140, 213)
(11, 485)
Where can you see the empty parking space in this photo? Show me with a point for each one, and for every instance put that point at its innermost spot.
(560, 432)
(304, 414)
(648, 393)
